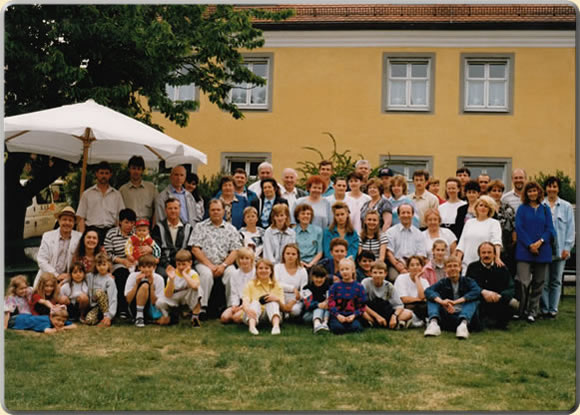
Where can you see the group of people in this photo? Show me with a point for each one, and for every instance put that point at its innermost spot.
(343, 254)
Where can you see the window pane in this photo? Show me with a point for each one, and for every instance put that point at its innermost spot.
(497, 94)
(419, 93)
(495, 171)
(237, 165)
(185, 93)
(476, 70)
(170, 91)
(475, 93)
(397, 93)
(419, 70)
(497, 70)
(258, 95)
(239, 96)
(254, 167)
(398, 70)
(261, 69)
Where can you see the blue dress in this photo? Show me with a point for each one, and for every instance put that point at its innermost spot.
(531, 225)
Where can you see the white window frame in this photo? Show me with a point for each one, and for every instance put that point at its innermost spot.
(487, 60)
(408, 59)
(250, 60)
(478, 162)
(177, 92)
(242, 157)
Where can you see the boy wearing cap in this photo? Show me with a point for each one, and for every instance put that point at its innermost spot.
(140, 239)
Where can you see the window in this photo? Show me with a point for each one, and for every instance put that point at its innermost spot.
(407, 165)
(181, 92)
(487, 83)
(253, 97)
(496, 168)
(408, 84)
(247, 161)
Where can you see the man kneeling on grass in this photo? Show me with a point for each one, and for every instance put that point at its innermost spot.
(182, 289)
(142, 290)
(452, 301)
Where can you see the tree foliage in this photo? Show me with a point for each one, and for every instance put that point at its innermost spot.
(567, 187)
(121, 56)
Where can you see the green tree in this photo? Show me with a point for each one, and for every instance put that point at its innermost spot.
(122, 56)
(567, 187)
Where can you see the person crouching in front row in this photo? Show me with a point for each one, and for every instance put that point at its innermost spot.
(452, 301)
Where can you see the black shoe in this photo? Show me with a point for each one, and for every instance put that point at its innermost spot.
(203, 315)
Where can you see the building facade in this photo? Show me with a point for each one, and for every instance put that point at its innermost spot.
(491, 87)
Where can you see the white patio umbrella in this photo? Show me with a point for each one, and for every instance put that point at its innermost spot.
(95, 133)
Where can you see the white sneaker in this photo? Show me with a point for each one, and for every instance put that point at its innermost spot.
(324, 326)
(317, 326)
(254, 331)
(433, 329)
(462, 332)
(275, 330)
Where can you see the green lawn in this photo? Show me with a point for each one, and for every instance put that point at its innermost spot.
(529, 367)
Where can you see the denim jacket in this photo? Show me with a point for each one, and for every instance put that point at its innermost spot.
(563, 220)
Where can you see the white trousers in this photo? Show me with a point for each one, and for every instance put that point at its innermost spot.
(188, 297)
(206, 282)
(267, 312)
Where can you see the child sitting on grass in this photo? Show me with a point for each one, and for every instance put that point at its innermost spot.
(18, 297)
(384, 305)
(315, 299)
(54, 322)
(140, 239)
(411, 287)
(244, 274)
(76, 292)
(346, 300)
(291, 276)
(364, 261)
(262, 298)
(46, 295)
(102, 293)
(143, 289)
(182, 289)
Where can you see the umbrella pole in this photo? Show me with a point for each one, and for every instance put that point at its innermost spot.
(86, 145)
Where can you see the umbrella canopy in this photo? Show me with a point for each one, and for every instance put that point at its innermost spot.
(96, 132)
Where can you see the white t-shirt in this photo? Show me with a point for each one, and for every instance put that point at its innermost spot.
(474, 233)
(448, 211)
(354, 205)
(406, 287)
(158, 284)
(444, 234)
(288, 281)
(237, 284)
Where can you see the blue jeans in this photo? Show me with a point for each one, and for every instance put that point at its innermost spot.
(319, 313)
(340, 328)
(552, 287)
(451, 321)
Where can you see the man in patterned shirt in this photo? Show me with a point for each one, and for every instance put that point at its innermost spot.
(214, 243)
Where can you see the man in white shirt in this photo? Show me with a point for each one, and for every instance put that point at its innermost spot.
(403, 241)
(289, 190)
(513, 197)
(100, 204)
(422, 198)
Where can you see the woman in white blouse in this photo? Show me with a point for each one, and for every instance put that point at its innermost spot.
(292, 277)
(480, 229)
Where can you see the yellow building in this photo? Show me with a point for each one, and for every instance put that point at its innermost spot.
(491, 87)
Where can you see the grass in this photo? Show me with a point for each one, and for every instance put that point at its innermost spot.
(529, 367)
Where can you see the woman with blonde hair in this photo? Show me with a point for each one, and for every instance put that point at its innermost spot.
(481, 228)
(399, 197)
(279, 234)
(262, 298)
(435, 231)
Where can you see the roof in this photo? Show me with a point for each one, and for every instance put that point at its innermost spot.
(312, 17)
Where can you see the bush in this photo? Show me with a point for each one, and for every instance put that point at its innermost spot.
(567, 187)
